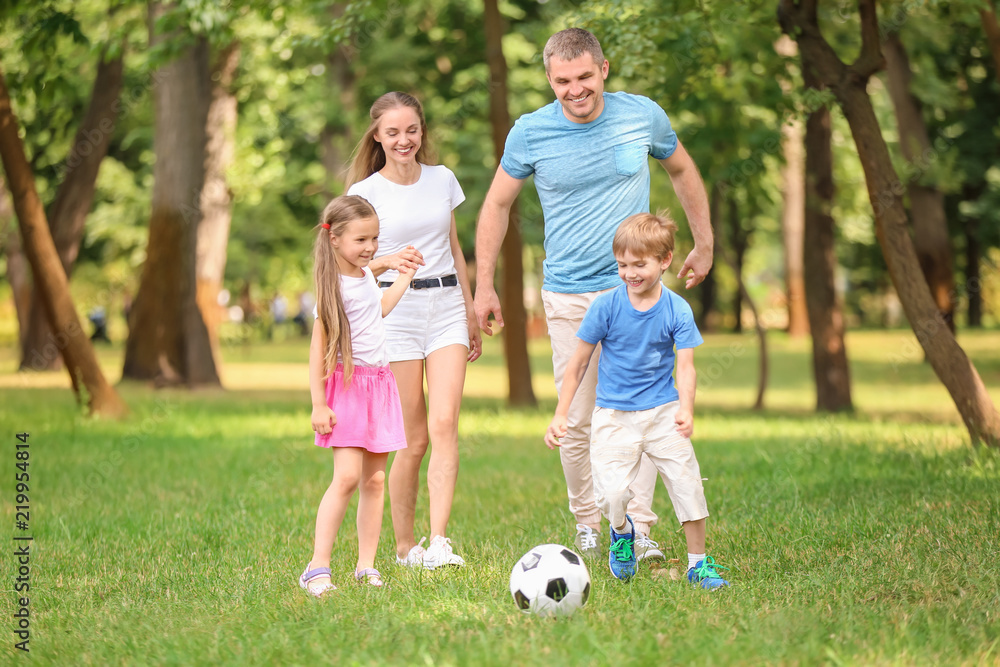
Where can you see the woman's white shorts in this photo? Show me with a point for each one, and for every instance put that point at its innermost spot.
(426, 320)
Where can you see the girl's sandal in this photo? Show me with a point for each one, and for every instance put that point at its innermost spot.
(317, 589)
(373, 576)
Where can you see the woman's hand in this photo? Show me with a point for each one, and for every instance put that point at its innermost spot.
(475, 337)
(407, 258)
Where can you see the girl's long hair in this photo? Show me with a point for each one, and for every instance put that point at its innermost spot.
(329, 302)
(369, 156)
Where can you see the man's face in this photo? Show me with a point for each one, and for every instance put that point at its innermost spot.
(579, 86)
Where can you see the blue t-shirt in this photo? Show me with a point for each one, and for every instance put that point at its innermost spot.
(589, 177)
(636, 369)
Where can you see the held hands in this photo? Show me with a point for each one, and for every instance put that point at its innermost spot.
(487, 302)
(556, 430)
(685, 421)
(475, 338)
(323, 419)
(696, 266)
(407, 258)
(405, 273)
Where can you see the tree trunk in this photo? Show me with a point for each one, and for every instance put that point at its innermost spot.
(515, 335)
(216, 198)
(831, 371)
(740, 241)
(848, 84)
(335, 138)
(793, 211)
(709, 320)
(17, 268)
(50, 280)
(168, 341)
(973, 257)
(930, 224)
(73, 200)
(991, 27)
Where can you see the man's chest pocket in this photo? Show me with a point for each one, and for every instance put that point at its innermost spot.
(630, 157)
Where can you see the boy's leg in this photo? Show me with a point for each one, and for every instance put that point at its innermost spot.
(614, 453)
(640, 509)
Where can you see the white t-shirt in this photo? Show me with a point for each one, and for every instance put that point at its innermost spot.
(363, 306)
(417, 215)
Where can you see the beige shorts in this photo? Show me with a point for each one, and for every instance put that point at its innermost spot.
(618, 440)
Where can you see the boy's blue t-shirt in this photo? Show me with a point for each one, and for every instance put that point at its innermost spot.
(636, 369)
(589, 177)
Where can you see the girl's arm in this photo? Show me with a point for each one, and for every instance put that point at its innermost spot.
(409, 257)
(392, 295)
(322, 418)
(475, 337)
(686, 380)
(575, 370)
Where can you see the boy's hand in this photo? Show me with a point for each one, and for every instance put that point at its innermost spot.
(323, 419)
(685, 422)
(556, 430)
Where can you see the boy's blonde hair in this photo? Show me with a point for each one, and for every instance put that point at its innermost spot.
(646, 234)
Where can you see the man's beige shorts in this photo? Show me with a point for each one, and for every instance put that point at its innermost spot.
(619, 438)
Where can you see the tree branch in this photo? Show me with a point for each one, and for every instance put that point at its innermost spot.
(870, 59)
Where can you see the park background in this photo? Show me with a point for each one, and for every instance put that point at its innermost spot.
(179, 155)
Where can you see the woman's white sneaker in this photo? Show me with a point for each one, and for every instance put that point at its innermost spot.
(415, 556)
(440, 553)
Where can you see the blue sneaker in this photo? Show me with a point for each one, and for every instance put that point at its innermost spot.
(622, 557)
(704, 574)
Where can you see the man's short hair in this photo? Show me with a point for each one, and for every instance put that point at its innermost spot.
(645, 235)
(572, 43)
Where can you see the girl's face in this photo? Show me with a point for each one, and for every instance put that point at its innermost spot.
(399, 133)
(356, 246)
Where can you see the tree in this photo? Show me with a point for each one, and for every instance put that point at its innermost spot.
(168, 341)
(991, 27)
(848, 84)
(515, 339)
(50, 280)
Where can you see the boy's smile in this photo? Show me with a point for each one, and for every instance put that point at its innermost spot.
(642, 276)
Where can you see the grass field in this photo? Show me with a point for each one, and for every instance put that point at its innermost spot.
(176, 536)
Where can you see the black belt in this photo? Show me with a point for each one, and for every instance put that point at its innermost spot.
(446, 281)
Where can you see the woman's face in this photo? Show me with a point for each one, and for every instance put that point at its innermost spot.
(399, 133)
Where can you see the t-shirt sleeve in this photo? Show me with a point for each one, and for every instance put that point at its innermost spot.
(455, 190)
(686, 334)
(515, 160)
(662, 138)
(594, 327)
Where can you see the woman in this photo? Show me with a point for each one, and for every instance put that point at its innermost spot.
(433, 330)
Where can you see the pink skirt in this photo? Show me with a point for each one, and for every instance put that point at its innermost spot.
(368, 411)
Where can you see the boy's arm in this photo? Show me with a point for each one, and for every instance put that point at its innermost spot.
(392, 295)
(322, 418)
(575, 370)
(685, 381)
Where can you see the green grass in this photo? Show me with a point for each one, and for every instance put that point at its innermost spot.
(175, 537)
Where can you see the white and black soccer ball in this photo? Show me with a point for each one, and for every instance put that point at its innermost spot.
(550, 580)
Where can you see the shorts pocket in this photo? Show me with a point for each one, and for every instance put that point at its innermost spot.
(630, 157)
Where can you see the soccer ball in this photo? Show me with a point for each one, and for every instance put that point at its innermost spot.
(550, 580)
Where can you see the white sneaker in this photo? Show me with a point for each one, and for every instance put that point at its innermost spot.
(586, 541)
(440, 553)
(415, 556)
(647, 548)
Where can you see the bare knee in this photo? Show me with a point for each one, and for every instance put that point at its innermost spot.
(416, 447)
(375, 483)
(346, 483)
(443, 427)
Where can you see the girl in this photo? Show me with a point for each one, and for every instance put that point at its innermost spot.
(434, 329)
(355, 403)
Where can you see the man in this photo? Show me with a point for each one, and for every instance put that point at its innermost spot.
(588, 153)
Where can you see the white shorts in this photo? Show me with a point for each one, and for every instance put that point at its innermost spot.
(426, 320)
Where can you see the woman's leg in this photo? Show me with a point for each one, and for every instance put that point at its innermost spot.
(370, 503)
(347, 468)
(404, 475)
(445, 381)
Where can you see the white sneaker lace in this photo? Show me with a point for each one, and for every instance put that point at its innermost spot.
(643, 542)
(587, 535)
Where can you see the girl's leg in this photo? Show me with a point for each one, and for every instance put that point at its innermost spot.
(370, 503)
(445, 382)
(347, 468)
(404, 475)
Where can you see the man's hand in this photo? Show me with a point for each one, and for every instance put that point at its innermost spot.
(696, 266)
(486, 303)
(556, 430)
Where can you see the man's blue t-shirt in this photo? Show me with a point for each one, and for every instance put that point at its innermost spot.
(636, 369)
(589, 177)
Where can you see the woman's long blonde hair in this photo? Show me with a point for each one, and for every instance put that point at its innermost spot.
(326, 272)
(369, 156)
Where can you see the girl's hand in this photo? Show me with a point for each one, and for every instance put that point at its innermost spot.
(556, 430)
(323, 419)
(475, 337)
(407, 258)
(685, 422)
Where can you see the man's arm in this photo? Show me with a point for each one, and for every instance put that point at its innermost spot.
(691, 192)
(490, 232)
(686, 381)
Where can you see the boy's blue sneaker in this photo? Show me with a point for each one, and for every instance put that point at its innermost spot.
(621, 560)
(705, 574)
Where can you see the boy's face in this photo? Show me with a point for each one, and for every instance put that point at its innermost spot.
(642, 274)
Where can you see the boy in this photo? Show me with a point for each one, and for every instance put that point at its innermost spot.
(638, 408)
